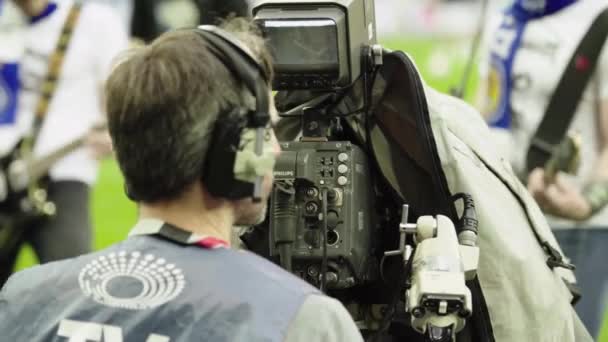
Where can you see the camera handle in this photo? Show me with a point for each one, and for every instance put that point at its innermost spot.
(437, 299)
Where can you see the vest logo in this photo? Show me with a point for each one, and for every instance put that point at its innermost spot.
(131, 280)
(76, 331)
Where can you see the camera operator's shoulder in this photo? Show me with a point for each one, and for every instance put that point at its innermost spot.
(32, 279)
(31, 288)
(322, 319)
(47, 277)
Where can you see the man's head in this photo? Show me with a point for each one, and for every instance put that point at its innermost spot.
(164, 103)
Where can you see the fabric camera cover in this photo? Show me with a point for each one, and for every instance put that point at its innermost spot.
(423, 136)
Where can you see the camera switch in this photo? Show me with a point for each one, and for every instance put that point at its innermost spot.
(332, 219)
(311, 208)
(312, 192)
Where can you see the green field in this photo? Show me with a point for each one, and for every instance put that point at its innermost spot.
(114, 214)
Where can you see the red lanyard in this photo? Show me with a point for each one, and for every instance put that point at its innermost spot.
(211, 242)
(176, 234)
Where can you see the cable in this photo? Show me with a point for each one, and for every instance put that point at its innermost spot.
(340, 92)
(299, 109)
(368, 97)
(468, 220)
(324, 232)
(284, 221)
(382, 260)
(386, 322)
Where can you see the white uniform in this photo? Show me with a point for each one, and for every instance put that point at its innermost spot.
(546, 48)
(547, 45)
(98, 39)
(124, 8)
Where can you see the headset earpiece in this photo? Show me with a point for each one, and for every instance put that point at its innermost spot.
(236, 163)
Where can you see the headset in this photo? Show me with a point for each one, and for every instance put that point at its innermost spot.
(238, 157)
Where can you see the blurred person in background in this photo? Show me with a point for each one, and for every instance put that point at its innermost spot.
(54, 83)
(179, 147)
(531, 46)
(124, 8)
(153, 17)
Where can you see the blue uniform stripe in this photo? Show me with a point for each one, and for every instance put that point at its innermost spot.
(9, 90)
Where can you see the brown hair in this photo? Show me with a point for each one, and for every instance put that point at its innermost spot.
(162, 102)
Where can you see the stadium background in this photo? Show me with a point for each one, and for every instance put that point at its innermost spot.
(437, 34)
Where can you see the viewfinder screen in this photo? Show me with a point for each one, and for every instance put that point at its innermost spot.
(296, 43)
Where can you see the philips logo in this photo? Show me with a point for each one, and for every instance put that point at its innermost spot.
(284, 173)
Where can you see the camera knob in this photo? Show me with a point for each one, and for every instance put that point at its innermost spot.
(312, 192)
(311, 208)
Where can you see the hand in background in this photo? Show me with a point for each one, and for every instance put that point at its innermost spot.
(559, 198)
(99, 142)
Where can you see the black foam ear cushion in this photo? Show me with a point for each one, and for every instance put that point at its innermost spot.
(218, 174)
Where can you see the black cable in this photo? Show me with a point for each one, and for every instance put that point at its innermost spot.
(298, 110)
(367, 105)
(284, 218)
(388, 317)
(340, 93)
(382, 260)
(324, 232)
(468, 220)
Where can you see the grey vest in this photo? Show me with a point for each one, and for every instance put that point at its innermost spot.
(149, 288)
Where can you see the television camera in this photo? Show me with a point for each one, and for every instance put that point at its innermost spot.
(332, 219)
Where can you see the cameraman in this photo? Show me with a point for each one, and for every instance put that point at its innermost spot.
(171, 107)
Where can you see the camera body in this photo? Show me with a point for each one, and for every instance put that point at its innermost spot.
(304, 171)
(316, 45)
(331, 221)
